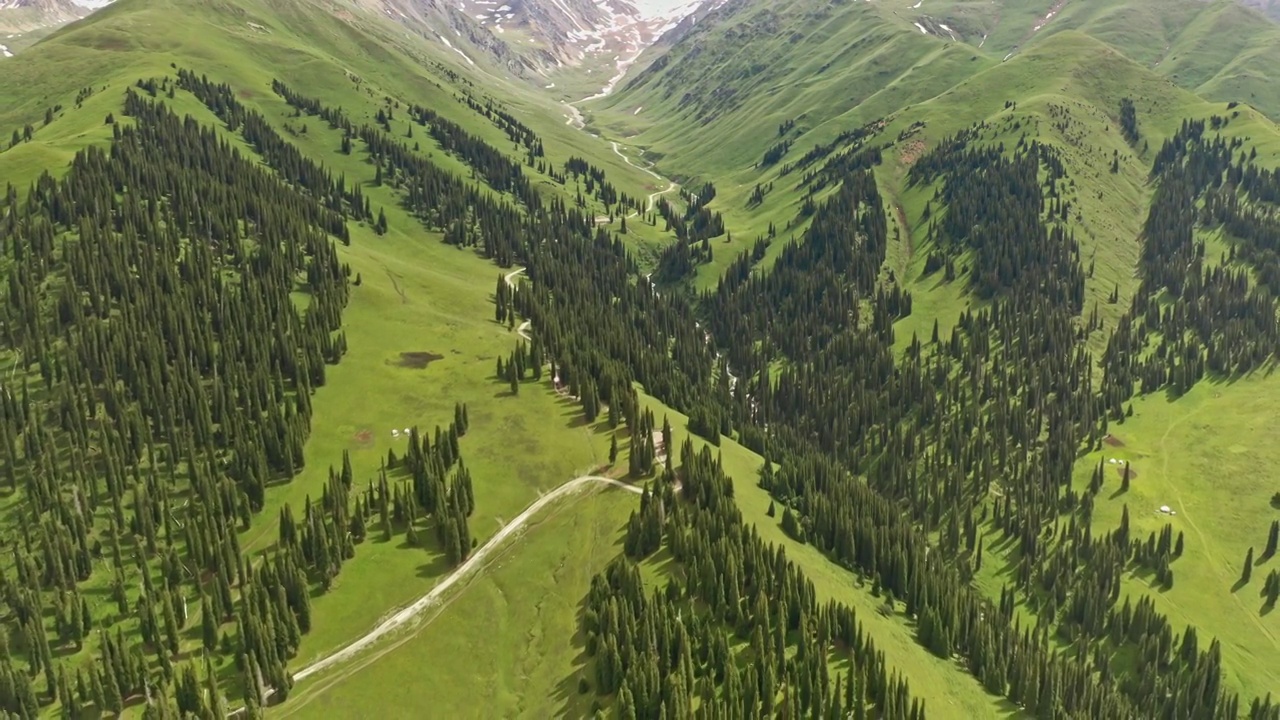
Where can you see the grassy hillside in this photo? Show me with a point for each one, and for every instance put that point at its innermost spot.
(747, 69)
(510, 636)
(1199, 455)
(415, 297)
(729, 83)
(1067, 91)
(420, 333)
(1064, 90)
(532, 666)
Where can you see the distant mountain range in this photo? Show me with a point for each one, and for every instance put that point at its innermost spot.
(23, 22)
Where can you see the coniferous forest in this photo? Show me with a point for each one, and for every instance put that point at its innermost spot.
(169, 369)
(174, 304)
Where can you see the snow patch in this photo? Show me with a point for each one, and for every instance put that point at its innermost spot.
(921, 28)
(451, 47)
(650, 9)
(1044, 22)
(913, 7)
(5, 51)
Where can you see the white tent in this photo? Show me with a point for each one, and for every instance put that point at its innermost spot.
(1165, 509)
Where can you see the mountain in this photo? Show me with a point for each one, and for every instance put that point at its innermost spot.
(565, 358)
(540, 40)
(767, 63)
(22, 22)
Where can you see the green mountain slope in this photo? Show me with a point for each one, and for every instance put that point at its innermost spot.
(417, 333)
(1222, 50)
(753, 66)
(954, 325)
(1064, 91)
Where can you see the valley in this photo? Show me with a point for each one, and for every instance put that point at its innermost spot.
(598, 359)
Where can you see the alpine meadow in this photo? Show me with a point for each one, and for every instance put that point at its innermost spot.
(640, 359)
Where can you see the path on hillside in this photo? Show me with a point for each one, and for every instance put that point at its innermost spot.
(468, 568)
(671, 184)
(576, 119)
(1214, 563)
(523, 330)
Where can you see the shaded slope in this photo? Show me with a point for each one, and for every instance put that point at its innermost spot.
(1221, 49)
(745, 69)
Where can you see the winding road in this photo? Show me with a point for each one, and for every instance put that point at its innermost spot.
(523, 330)
(409, 616)
(576, 120)
(671, 184)
(471, 566)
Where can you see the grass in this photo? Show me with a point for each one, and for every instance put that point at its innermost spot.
(416, 294)
(518, 628)
(948, 690)
(511, 639)
(1072, 71)
(511, 636)
(1208, 456)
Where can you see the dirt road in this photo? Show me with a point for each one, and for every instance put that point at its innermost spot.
(671, 184)
(471, 566)
(407, 616)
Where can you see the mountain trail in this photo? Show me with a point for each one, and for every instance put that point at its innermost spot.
(576, 119)
(408, 616)
(671, 184)
(1205, 544)
(474, 563)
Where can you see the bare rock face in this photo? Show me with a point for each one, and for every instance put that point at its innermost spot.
(28, 15)
(533, 38)
(24, 21)
(1270, 8)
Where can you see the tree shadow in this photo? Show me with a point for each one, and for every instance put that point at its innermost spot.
(568, 692)
(575, 699)
(1239, 584)
(574, 418)
(1148, 575)
(436, 566)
